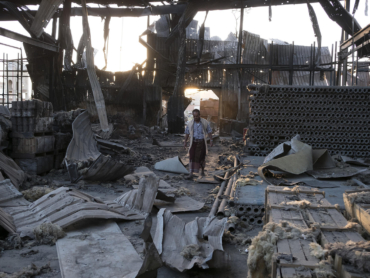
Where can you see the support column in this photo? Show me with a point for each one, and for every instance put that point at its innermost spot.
(345, 37)
(175, 107)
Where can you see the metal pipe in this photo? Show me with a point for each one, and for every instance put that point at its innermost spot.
(18, 77)
(310, 66)
(357, 69)
(353, 47)
(314, 63)
(221, 209)
(3, 78)
(335, 62)
(7, 80)
(230, 185)
(217, 200)
(21, 74)
(331, 73)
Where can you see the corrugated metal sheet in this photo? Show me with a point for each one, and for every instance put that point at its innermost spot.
(83, 146)
(106, 169)
(9, 197)
(65, 206)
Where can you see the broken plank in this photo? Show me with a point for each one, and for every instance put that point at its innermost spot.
(18, 37)
(43, 15)
(95, 86)
(356, 211)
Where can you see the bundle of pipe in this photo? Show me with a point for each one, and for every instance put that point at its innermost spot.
(333, 118)
(218, 205)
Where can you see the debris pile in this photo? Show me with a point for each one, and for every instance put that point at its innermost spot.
(48, 233)
(36, 192)
(32, 136)
(28, 272)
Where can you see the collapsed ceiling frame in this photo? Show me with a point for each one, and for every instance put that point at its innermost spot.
(182, 12)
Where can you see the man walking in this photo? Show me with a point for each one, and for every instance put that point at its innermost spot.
(197, 130)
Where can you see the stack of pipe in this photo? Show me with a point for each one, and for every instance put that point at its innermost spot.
(333, 118)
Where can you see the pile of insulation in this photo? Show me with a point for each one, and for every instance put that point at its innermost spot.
(263, 245)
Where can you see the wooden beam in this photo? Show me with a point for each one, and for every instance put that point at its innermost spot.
(95, 86)
(44, 14)
(213, 5)
(18, 37)
(357, 36)
(358, 212)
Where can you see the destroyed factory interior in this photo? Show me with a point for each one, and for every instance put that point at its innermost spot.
(184, 138)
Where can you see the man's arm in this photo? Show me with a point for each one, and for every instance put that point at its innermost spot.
(210, 139)
(209, 131)
(186, 140)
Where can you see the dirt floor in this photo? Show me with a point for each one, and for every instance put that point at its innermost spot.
(147, 154)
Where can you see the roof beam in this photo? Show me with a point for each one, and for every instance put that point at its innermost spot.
(18, 37)
(113, 12)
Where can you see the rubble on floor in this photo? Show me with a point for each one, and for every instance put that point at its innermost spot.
(28, 272)
(298, 236)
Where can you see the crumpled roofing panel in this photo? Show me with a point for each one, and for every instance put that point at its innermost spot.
(83, 146)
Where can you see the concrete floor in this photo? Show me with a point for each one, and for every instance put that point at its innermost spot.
(11, 260)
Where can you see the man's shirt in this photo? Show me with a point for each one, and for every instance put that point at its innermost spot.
(198, 130)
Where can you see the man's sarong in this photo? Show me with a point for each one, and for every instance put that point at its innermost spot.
(197, 156)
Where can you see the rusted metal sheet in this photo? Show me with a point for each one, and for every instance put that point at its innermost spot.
(44, 13)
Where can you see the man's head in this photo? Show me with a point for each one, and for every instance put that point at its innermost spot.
(196, 115)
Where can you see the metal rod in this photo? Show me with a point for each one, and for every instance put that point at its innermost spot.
(217, 200)
(331, 73)
(221, 209)
(21, 75)
(230, 186)
(7, 80)
(239, 55)
(314, 63)
(3, 78)
(8, 45)
(353, 46)
(270, 69)
(309, 82)
(17, 78)
(335, 60)
(291, 64)
(54, 28)
(357, 69)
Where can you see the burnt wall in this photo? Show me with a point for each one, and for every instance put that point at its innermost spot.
(78, 94)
